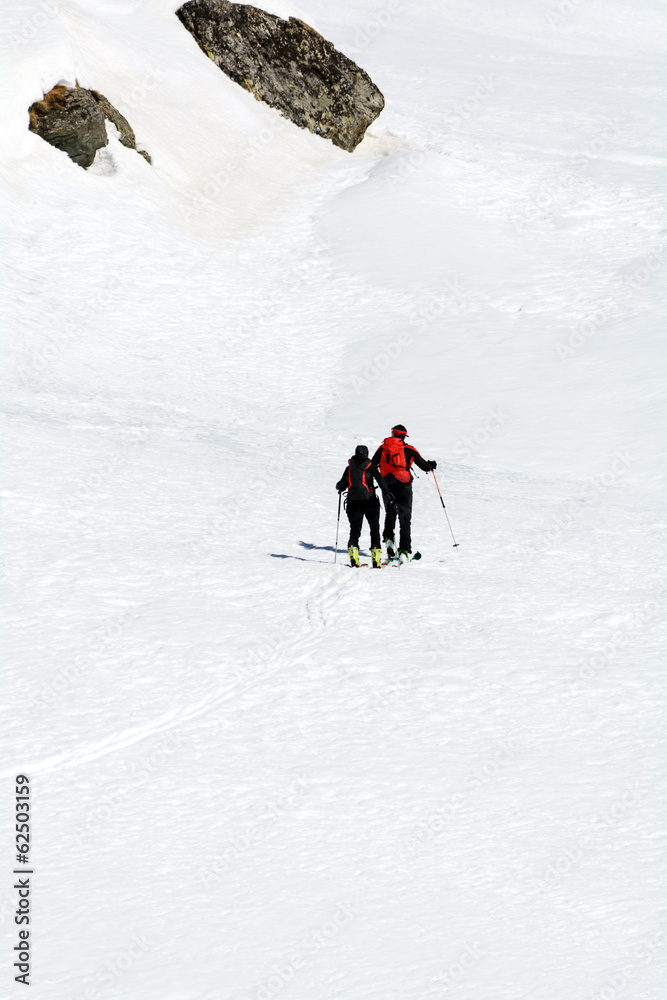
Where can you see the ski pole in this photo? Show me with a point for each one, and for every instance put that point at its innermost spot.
(340, 497)
(456, 544)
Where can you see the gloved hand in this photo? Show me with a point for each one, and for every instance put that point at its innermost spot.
(432, 465)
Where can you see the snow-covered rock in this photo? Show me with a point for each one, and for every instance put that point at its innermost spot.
(288, 65)
(73, 119)
(70, 119)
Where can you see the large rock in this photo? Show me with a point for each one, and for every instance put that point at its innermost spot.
(288, 65)
(70, 119)
(73, 119)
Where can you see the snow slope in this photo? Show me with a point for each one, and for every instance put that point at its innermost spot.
(254, 772)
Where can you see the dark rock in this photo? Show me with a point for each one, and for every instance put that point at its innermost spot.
(288, 65)
(72, 119)
(127, 136)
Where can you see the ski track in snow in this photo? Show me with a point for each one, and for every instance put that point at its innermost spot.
(255, 773)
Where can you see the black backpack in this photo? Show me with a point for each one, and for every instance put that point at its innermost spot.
(359, 480)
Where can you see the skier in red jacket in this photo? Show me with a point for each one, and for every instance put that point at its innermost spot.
(395, 458)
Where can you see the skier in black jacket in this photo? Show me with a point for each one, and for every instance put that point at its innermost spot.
(395, 458)
(359, 480)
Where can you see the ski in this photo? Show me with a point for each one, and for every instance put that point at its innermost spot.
(402, 560)
(396, 560)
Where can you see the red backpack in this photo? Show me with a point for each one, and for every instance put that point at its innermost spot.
(393, 462)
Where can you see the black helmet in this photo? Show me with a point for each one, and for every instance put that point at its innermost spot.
(399, 430)
(361, 450)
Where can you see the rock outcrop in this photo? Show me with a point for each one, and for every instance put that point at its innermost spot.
(73, 119)
(288, 65)
(126, 132)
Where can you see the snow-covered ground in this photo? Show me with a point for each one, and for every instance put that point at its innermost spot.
(255, 773)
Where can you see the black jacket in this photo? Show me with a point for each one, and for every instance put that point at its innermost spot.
(355, 466)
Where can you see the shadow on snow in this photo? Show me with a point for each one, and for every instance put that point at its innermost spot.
(317, 548)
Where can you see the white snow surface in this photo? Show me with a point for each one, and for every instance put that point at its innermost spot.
(256, 773)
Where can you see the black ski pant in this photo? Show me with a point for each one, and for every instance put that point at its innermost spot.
(356, 512)
(401, 507)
